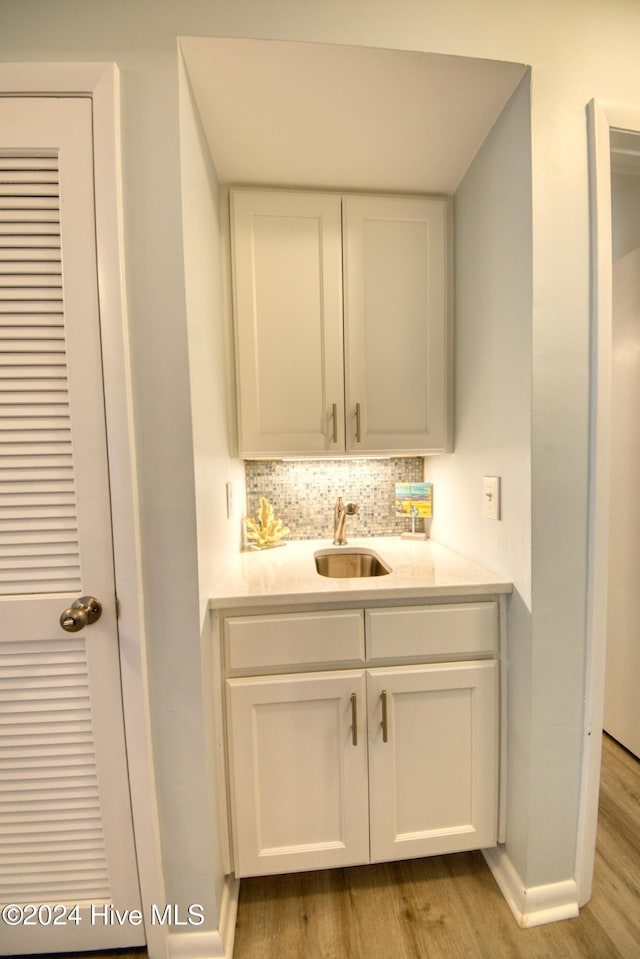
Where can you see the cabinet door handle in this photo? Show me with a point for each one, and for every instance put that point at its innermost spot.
(354, 719)
(357, 422)
(334, 416)
(385, 728)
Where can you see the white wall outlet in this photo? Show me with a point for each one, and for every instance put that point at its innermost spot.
(229, 500)
(491, 497)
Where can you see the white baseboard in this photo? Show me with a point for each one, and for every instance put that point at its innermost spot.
(228, 913)
(210, 945)
(535, 905)
(196, 945)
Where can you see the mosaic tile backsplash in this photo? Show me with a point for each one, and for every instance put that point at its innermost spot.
(303, 493)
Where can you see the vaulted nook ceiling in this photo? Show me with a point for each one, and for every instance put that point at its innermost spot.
(343, 117)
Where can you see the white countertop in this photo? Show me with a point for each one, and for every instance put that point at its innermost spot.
(287, 575)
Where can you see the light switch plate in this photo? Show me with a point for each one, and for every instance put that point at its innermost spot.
(491, 497)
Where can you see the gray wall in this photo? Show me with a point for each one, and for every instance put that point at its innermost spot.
(625, 213)
(493, 312)
(579, 51)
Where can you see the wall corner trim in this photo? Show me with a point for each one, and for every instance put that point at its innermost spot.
(196, 945)
(217, 944)
(533, 905)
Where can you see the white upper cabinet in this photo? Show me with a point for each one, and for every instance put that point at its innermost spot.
(287, 273)
(395, 323)
(316, 375)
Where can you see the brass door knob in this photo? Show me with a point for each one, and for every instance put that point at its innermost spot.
(83, 612)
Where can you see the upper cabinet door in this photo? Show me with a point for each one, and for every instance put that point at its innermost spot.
(287, 288)
(397, 324)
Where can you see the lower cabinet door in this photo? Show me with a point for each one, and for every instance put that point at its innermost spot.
(298, 772)
(433, 759)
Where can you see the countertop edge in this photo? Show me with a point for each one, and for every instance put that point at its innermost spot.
(362, 596)
(459, 578)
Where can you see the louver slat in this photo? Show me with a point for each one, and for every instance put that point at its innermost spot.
(37, 503)
(50, 815)
(19, 263)
(28, 239)
(47, 258)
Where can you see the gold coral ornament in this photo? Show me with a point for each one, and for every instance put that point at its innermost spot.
(265, 530)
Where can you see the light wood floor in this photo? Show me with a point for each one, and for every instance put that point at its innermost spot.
(447, 907)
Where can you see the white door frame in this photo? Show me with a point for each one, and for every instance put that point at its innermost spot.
(602, 117)
(100, 82)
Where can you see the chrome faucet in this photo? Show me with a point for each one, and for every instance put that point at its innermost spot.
(340, 513)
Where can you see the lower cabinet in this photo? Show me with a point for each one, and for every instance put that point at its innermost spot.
(351, 766)
(299, 772)
(433, 759)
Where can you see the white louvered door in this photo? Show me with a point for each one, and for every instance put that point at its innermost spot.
(65, 820)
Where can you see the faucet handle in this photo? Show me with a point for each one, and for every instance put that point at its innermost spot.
(342, 510)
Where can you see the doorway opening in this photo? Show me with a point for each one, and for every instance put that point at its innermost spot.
(614, 141)
(622, 664)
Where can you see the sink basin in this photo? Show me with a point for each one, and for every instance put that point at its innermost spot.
(343, 563)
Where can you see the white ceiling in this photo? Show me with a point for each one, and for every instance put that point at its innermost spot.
(340, 117)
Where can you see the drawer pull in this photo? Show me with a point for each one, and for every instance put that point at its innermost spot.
(354, 719)
(385, 728)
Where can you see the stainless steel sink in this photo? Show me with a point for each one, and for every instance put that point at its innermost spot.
(346, 563)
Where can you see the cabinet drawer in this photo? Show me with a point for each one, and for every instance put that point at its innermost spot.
(294, 639)
(432, 631)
